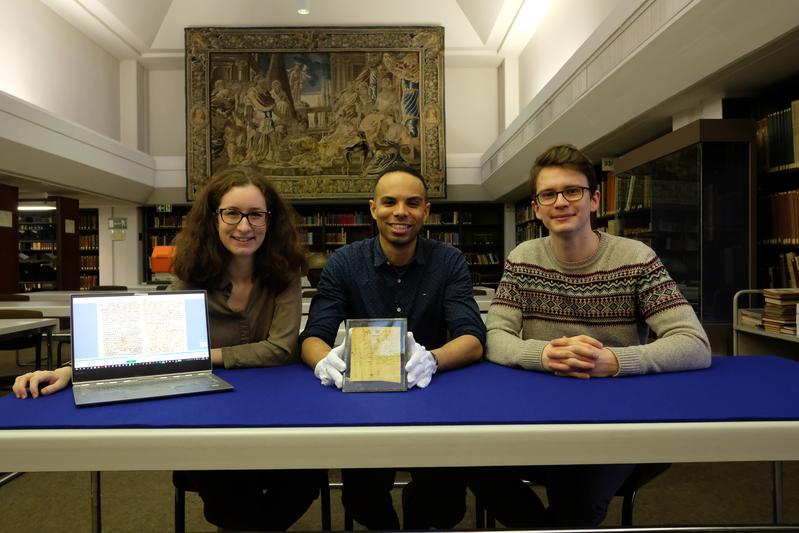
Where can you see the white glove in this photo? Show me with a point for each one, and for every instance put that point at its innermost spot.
(330, 370)
(421, 364)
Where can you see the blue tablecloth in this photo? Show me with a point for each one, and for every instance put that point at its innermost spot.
(733, 389)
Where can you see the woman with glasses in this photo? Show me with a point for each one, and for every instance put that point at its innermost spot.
(241, 245)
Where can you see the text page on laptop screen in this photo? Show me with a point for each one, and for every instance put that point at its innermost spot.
(151, 333)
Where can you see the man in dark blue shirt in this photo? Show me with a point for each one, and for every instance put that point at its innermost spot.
(398, 274)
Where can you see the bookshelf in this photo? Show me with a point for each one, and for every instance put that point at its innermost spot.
(326, 228)
(9, 239)
(688, 195)
(161, 225)
(755, 340)
(49, 255)
(778, 192)
(527, 225)
(475, 228)
(89, 243)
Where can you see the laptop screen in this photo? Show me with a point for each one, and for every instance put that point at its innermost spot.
(116, 335)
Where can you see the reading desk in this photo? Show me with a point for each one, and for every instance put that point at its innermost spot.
(740, 409)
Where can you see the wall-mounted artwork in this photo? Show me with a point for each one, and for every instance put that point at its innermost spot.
(321, 111)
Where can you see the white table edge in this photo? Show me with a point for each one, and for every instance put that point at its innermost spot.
(395, 446)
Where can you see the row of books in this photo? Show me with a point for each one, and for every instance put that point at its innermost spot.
(89, 242)
(779, 311)
(450, 217)
(89, 262)
(785, 273)
(89, 281)
(529, 231)
(783, 219)
(624, 193)
(29, 286)
(311, 220)
(348, 219)
(778, 139)
(481, 239)
(35, 234)
(448, 237)
(87, 221)
(779, 314)
(336, 219)
(482, 259)
(164, 220)
(525, 213)
(41, 246)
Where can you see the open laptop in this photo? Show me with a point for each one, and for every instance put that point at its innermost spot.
(128, 346)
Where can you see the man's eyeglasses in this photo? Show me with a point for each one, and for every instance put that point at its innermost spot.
(571, 194)
(257, 219)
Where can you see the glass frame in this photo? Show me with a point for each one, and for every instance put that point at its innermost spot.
(375, 327)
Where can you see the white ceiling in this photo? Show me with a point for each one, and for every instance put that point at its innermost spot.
(152, 30)
(478, 32)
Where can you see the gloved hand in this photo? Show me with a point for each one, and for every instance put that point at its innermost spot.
(421, 364)
(330, 370)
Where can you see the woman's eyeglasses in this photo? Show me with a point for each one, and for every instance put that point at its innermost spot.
(256, 219)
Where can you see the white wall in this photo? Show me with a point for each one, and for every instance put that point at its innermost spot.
(471, 103)
(48, 63)
(120, 261)
(167, 116)
(566, 26)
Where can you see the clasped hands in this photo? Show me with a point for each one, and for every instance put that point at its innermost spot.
(420, 367)
(581, 356)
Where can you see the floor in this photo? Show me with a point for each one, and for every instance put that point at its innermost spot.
(686, 494)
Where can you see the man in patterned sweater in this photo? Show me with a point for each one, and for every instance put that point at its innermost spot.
(580, 303)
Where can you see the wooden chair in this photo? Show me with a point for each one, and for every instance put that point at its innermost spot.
(640, 476)
(25, 339)
(183, 484)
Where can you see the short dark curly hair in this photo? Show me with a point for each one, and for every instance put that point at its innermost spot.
(407, 170)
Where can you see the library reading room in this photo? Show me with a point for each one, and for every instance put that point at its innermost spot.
(337, 265)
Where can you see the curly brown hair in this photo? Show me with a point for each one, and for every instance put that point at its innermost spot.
(202, 260)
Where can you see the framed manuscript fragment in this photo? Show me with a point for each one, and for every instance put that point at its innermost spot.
(375, 355)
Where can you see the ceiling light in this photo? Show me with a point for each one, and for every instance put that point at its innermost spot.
(304, 7)
(36, 208)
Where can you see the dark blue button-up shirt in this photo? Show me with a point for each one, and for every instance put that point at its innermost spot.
(434, 292)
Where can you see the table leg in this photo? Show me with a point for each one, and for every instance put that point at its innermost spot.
(49, 348)
(97, 524)
(777, 491)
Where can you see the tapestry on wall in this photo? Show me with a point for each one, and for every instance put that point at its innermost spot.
(321, 111)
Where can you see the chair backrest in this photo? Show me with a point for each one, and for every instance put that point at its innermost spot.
(14, 298)
(20, 313)
(110, 288)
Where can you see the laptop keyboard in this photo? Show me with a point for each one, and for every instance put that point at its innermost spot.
(152, 387)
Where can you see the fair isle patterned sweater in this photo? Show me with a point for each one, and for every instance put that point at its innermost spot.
(614, 296)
